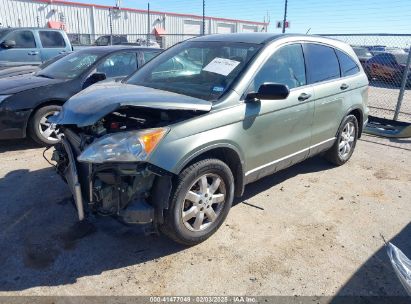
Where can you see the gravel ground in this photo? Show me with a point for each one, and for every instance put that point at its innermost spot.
(310, 230)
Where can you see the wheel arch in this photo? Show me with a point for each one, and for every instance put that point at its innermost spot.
(358, 113)
(51, 102)
(227, 154)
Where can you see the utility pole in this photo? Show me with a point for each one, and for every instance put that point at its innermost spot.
(285, 15)
(148, 24)
(204, 25)
(110, 11)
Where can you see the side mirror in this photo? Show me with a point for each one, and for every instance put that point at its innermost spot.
(273, 91)
(8, 44)
(94, 78)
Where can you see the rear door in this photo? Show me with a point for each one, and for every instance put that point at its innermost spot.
(323, 73)
(52, 44)
(26, 51)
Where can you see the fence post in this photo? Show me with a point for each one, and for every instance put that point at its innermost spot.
(148, 24)
(403, 85)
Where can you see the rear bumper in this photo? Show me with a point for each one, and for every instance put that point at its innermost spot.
(13, 124)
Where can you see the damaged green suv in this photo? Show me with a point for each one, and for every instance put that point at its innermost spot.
(171, 145)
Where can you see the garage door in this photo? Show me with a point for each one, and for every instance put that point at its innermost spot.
(249, 28)
(192, 27)
(223, 28)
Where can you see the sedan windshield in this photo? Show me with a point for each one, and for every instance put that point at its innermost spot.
(199, 69)
(70, 66)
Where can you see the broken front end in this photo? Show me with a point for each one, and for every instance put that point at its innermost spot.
(105, 168)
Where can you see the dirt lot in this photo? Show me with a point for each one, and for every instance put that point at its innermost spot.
(311, 230)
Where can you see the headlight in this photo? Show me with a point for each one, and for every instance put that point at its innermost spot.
(129, 146)
(3, 97)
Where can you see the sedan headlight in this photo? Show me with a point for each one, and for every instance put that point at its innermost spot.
(3, 97)
(128, 146)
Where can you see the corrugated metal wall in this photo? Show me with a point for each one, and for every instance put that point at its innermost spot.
(95, 20)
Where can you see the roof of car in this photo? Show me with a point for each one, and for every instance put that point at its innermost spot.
(257, 38)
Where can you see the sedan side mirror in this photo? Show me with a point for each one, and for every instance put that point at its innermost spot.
(274, 91)
(8, 44)
(94, 78)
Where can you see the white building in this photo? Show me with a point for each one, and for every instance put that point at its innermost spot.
(92, 21)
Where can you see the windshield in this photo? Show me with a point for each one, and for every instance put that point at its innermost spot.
(70, 66)
(199, 69)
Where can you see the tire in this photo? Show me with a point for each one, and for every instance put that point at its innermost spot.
(37, 124)
(186, 230)
(348, 133)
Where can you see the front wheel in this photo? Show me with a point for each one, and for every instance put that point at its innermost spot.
(344, 146)
(42, 131)
(201, 201)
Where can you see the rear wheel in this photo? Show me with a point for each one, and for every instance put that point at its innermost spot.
(344, 146)
(202, 199)
(42, 131)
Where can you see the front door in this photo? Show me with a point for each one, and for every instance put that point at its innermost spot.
(24, 52)
(278, 132)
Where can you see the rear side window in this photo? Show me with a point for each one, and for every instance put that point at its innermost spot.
(322, 63)
(23, 39)
(348, 65)
(51, 39)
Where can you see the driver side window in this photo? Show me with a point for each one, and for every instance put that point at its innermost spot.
(286, 66)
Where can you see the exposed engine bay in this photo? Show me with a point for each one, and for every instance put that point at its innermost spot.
(137, 192)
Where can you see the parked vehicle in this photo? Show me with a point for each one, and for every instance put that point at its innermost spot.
(388, 67)
(172, 150)
(29, 69)
(27, 101)
(111, 40)
(363, 54)
(31, 46)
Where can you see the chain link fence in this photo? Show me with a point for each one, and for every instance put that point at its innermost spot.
(164, 41)
(385, 59)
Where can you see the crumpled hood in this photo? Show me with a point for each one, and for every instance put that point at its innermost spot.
(99, 100)
(16, 84)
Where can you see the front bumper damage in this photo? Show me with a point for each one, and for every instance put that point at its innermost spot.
(136, 193)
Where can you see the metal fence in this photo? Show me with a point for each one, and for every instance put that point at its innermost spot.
(386, 60)
(163, 41)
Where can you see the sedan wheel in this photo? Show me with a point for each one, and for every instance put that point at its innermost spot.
(47, 129)
(40, 129)
(203, 202)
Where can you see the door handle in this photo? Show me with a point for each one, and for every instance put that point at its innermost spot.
(33, 53)
(344, 86)
(62, 52)
(304, 96)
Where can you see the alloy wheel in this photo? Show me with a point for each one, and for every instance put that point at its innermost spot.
(203, 202)
(47, 129)
(347, 139)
